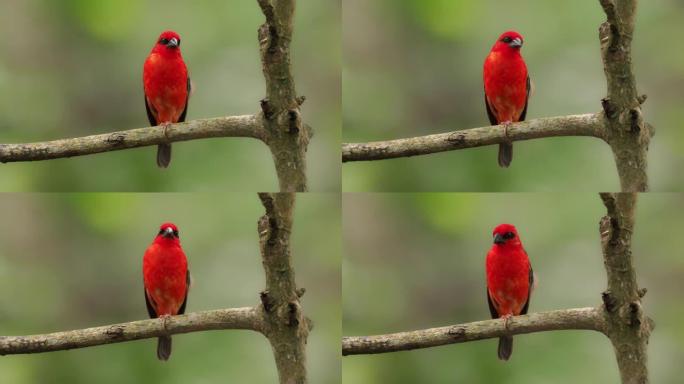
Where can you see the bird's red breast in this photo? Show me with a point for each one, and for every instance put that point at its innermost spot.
(165, 269)
(165, 79)
(508, 273)
(506, 80)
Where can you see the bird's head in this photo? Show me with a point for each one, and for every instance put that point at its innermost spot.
(168, 42)
(510, 41)
(506, 234)
(168, 231)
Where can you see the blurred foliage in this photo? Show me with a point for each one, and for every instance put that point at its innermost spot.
(414, 67)
(74, 261)
(414, 261)
(74, 67)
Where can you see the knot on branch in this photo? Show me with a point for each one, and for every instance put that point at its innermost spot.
(294, 314)
(609, 229)
(301, 291)
(115, 332)
(456, 138)
(609, 302)
(116, 139)
(456, 333)
(634, 314)
(608, 108)
(266, 301)
(267, 108)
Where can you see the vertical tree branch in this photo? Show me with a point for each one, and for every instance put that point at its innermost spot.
(289, 137)
(627, 326)
(285, 325)
(628, 134)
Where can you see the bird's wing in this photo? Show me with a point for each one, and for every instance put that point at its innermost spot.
(529, 292)
(151, 113)
(491, 111)
(527, 99)
(150, 308)
(187, 288)
(492, 309)
(185, 110)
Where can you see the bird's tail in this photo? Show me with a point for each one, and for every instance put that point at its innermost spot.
(164, 348)
(505, 347)
(505, 154)
(164, 155)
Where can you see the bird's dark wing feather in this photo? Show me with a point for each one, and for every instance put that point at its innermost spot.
(185, 111)
(491, 112)
(150, 308)
(527, 99)
(492, 310)
(150, 113)
(187, 288)
(529, 292)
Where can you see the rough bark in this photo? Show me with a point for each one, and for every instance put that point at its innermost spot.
(281, 114)
(627, 326)
(234, 126)
(566, 319)
(627, 133)
(285, 325)
(235, 318)
(576, 125)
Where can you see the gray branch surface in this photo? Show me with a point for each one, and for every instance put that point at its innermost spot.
(285, 325)
(576, 125)
(566, 319)
(281, 113)
(234, 126)
(627, 132)
(627, 326)
(236, 318)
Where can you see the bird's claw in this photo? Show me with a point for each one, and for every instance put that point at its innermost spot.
(506, 124)
(165, 129)
(507, 320)
(164, 319)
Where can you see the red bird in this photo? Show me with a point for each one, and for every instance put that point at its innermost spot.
(509, 281)
(166, 278)
(167, 88)
(507, 87)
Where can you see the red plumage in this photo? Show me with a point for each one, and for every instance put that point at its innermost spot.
(167, 87)
(509, 280)
(166, 278)
(506, 86)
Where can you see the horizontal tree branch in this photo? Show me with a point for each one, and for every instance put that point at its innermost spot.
(565, 319)
(573, 125)
(234, 318)
(233, 126)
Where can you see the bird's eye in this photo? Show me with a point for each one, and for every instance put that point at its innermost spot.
(164, 41)
(508, 235)
(507, 39)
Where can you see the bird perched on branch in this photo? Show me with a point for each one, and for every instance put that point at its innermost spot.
(167, 88)
(167, 279)
(507, 87)
(510, 281)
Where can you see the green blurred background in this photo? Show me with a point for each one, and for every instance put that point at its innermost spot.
(416, 261)
(414, 67)
(74, 261)
(74, 67)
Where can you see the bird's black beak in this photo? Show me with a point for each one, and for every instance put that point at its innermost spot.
(173, 43)
(499, 239)
(515, 43)
(168, 232)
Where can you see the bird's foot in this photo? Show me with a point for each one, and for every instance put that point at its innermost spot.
(164, 319)
(507, 320)
(165, 128)
(506, 124)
